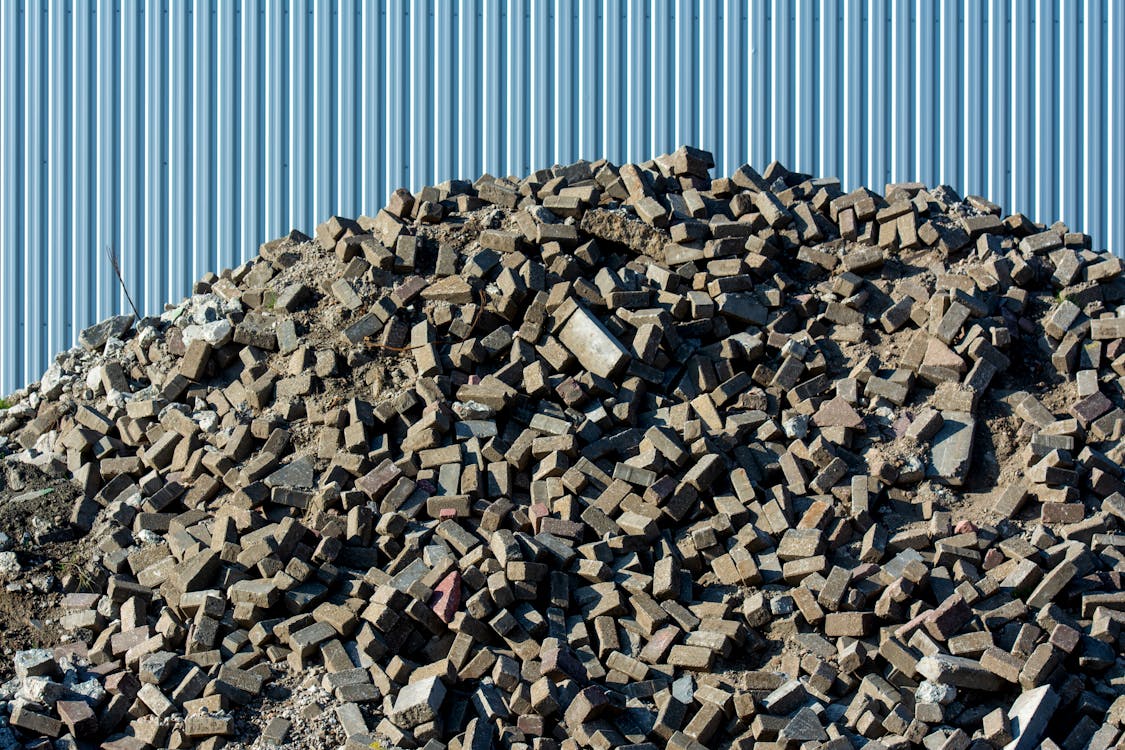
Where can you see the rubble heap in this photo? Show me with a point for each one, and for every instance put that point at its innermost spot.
(604, 457)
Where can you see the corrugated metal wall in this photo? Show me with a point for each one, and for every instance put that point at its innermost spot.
(181, 134)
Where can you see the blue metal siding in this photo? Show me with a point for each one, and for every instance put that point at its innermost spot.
(182, 134)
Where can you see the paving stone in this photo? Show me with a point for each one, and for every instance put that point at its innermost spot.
(1028, 717)
(155, 700)
(805, 726)
(418, 703)
(194, 366)
(957, 671)
(1103, 329)
(37, 723)
(345, 293)
(351, 720)
(78, 717)
(1053, 583)
(838, 413)
(952, 452)
(593, 344)
(276, 731)
(207, 725)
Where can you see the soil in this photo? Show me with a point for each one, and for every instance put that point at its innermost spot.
(34, 511)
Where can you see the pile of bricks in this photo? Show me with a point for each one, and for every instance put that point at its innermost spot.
(606, 457)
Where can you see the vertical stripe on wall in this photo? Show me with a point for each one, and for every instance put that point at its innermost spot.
(180, 135)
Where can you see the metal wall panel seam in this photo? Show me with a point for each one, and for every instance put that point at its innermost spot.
(949, 88)
(925, 113)
(780, 86)
(1115, 136)
(520, 157)
(734, 85)
(367, 119)
(251, 160)
(35, 214)
(1046, 131)
(20, 166)
(878, 107)
(563, 75)
(516, 78)
(804, 84)
(384, 114)
(469, 88)
(710, 81)
(661, 80)
(154, 232)
(1093, 155)
(646, 39)
(202, 141)
(11, 280)
(226, 113)
(640, 17)
(83, 252)
(901, 76)
(108, 164)
(650, 41)
(635, 63)
(58, 266)
(418, 145)
(758, 84)
(271, 181)
(492, 93)
(33, 296)
(666, 63)
(541, 64)
(1070, 129)
(454, 55)
(373, 132)
(974, 125)
(397, 51)
(571, 61)
(612, 78)
(434, 135)
(999, 80)
(297, 112)
(484, 89)
(349, 150)
(853, 105)
(333, 85)
(345, 163)
(1021, 108)
(827, 72)
(179, 149)
(761, 81)
(450, 53)
(421, 51)
(588, 76)
(785, 90)
(128, 192)
(323, 104)
(684, 76)
(537, 92)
